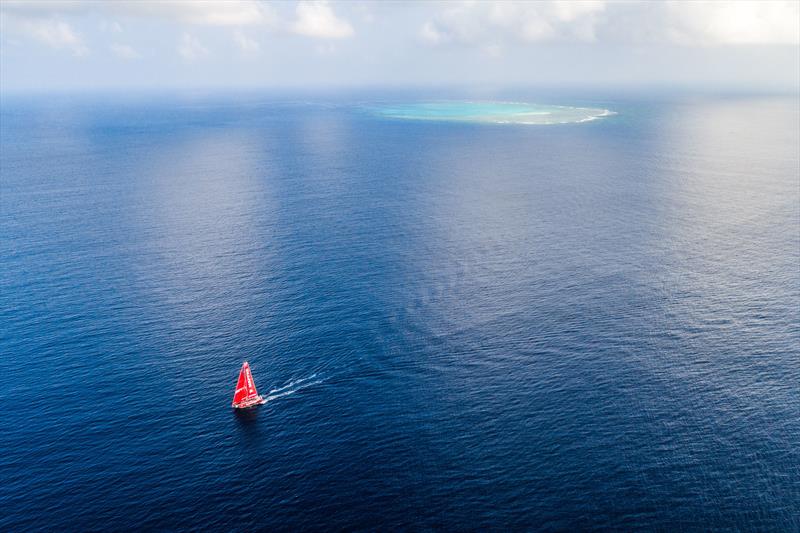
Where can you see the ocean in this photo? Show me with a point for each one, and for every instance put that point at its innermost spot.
(457, 325)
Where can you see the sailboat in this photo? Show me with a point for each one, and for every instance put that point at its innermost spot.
(246, 394)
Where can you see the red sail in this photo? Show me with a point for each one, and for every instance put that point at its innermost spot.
(241, 385)
(246, 394)
(251, 386)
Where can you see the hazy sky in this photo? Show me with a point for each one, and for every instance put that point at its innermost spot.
(65, 44)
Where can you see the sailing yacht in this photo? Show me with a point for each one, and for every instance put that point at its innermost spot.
(246, 394)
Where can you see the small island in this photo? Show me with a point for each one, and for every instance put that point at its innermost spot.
(492, 112)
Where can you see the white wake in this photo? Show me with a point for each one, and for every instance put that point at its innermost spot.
(292, 387)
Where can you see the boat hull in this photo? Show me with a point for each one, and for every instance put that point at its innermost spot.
(251, 402)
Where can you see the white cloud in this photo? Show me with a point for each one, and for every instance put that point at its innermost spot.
(713, 23)
(124, 51)
(675, 22)
(190, 48)
(460, 22)
(53, 33)
(246, 44)
(479, 22)
(204, 12)
(317, 19)
(43, 8)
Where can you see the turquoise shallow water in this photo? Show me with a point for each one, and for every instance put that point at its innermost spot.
(492, 112)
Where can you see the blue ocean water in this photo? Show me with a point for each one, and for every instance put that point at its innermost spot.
(458, 326)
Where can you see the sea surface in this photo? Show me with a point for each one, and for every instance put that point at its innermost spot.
(461, 326)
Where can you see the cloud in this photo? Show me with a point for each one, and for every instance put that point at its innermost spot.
(205, 12)
(43, 8)
(124, 51)
(720, 23)
(317, 19)
(639, 22)
(246, 44)
(478, 22)
(460, 22)
(190, 48)
(46, 21)
(53, 33)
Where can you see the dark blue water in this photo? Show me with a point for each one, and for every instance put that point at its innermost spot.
(458, 326)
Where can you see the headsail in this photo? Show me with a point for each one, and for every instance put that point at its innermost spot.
(246, 393)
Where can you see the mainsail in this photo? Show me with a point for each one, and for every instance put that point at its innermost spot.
(246, 394)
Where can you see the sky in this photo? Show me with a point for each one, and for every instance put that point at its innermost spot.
(174, 44)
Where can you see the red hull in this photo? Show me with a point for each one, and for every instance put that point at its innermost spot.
(251, 402)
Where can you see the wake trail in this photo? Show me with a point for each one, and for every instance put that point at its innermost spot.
(292, 387)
